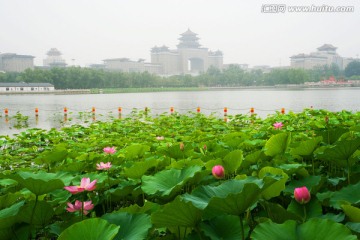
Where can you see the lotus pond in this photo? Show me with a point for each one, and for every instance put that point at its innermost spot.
(188, 176)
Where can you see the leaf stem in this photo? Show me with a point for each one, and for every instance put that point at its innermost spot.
(242, 227)
(32, 217)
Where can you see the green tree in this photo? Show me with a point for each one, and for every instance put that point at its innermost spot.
(352, 69)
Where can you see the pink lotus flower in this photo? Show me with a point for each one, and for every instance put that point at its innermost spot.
(103, 166)
(302, 195)
(78, 207)
(85, 185)
(109, 150)
(218, 171)
(160, 138)
(278, 125)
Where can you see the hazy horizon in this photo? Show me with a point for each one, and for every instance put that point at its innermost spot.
(91, 31)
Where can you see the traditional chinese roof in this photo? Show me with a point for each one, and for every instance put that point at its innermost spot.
(163, 48)
(53, 52)
(188, 32)
(188, 39)
(326, 47)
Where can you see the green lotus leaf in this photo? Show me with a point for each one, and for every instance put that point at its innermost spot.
(177, 213)
(275, 189)
(8, 182)
(277, 213)
(8, 216)
(340, 152)
(124, 189)
(353, 213)
(332, 135)
(232, 197)
(90, 229)
(77, 166)
(349, 194)
(138, 169)
(307, 147)
(202, 195)
(311, 182)
(56, 155)
(225, 227)
(233, 140)
(294, 168)
(184, 163)
(9, 199)
(277, 144)
(168, 182)
(38, 183)
(334, 217)
(314, 229)
(132, 226)
(232, 161)
(6, 233)
(42, 213)
(312, 209)
(355, 227)
(136, 151)
(148, 208)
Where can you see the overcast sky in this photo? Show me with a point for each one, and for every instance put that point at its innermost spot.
(90, 31)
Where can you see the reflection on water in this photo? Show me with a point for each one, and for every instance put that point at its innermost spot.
(106, 106)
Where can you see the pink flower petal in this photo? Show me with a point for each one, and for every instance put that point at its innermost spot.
(73, 189)
(84, 182)
(91, 186)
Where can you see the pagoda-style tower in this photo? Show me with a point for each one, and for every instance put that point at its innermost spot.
(54, 59)
(188, 39)
(188, 58)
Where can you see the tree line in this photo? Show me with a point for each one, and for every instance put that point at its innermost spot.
(233, 76)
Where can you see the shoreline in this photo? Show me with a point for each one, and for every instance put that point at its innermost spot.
(143, 90)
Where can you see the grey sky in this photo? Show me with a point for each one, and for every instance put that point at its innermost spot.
(92, 30)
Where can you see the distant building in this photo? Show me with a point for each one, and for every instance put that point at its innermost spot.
(11, 62)
(325, 55)
(54, 59)
(188, 58)
(242, 66)
(26, 87)
(127, 65)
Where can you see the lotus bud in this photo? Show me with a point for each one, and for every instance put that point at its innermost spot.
(302, 195)
(218, 171)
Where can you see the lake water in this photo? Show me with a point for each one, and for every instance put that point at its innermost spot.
(238, 101)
